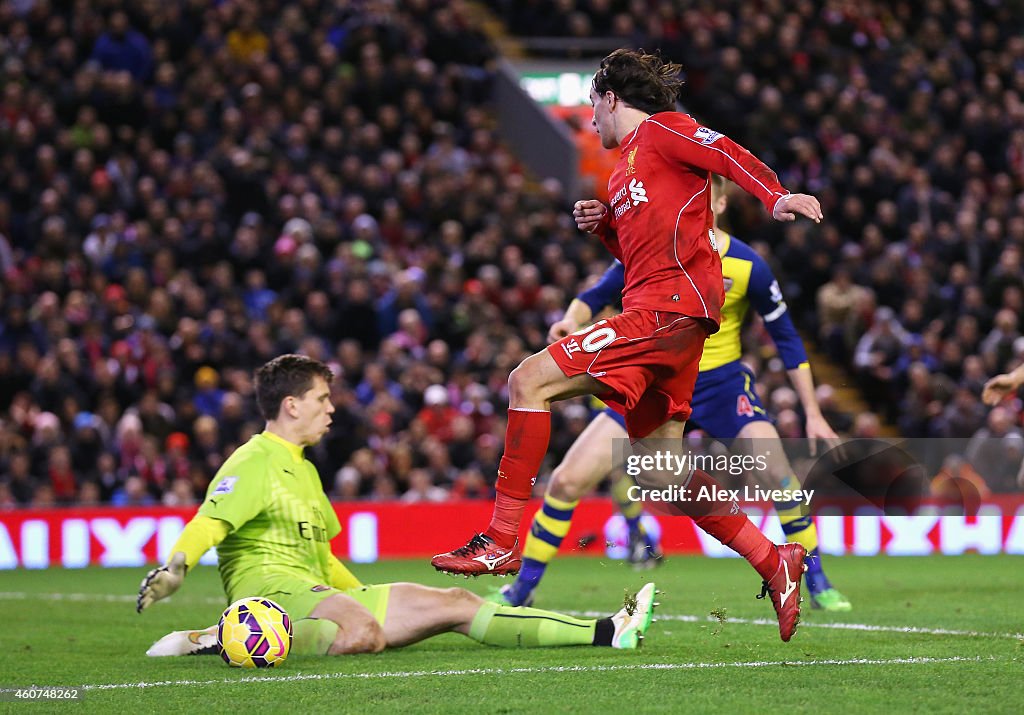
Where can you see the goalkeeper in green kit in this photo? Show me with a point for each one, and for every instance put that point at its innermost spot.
(268, 516)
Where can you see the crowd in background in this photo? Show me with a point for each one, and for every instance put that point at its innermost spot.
(188, 189)
(907, 120)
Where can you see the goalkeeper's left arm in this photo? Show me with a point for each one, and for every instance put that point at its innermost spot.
(199, 536)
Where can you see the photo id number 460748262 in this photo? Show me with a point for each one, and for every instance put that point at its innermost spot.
(40, 693)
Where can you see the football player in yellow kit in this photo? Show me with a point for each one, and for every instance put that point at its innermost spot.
(268, 516)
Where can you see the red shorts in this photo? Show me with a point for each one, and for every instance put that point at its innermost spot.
(647, 360)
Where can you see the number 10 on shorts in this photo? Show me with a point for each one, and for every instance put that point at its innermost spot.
(598, 337)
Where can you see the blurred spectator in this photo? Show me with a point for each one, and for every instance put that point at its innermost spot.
(207, 448)
(19, 479)
(839, 420)
(471, 484)
(437, 415)
(837, 301)
(422, 489)
(61, 476)
(43, 497)
(866, 426)
(133, 493)
(46, 437)
(86, 444)
(788, 424)
(209, 398)
(108, 479)
(180, 494)
(876, 354)
(123, 48)
(245, 42)
(924, 400)
(357, 478)
(88, 494)
(958, 484)
(7, 500)
(996, 450)
(997, 347)
(963, 415)
(461, 447)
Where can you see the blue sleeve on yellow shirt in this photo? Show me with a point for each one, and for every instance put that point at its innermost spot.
(606, 291)
(766, 297)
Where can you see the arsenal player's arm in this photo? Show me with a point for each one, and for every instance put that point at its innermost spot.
(679, 138)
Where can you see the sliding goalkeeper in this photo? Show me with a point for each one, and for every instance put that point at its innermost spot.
(268, 516)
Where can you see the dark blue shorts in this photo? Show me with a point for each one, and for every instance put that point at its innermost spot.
(724, 402)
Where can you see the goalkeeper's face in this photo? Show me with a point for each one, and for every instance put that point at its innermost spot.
(314, 410)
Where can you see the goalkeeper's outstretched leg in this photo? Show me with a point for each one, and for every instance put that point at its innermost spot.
(394, 615)
(417, 612)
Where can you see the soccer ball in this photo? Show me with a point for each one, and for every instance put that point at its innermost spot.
(254, 633)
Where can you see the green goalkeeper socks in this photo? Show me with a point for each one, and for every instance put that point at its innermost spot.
(512, 627)
(313, 636)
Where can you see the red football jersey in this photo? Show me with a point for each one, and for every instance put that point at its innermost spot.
(660, 221)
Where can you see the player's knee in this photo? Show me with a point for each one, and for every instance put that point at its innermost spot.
(529, 382)
(359, 638)
(672, 429)
(567, 486)
(460, 595)
(457, 605)
(458, 608)
(375, 640)
(521, 383)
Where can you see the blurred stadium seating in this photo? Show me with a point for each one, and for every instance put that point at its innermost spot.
(188, 189)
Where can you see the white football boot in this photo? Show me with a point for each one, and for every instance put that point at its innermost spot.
(633, 619)
(186, 643)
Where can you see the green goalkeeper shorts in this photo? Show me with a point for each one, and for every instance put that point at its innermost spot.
(299, 597)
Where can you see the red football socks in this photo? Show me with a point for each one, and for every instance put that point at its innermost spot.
(735, 530)
(526, 443)
(508, 513)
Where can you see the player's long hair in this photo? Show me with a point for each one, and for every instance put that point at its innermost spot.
(643, 81)
(286, 376)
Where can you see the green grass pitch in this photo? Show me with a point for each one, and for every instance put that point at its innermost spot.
(935, 635)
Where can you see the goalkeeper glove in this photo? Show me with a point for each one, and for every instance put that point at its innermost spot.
(162, 582)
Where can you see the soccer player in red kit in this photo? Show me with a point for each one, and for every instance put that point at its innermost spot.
(643, 362)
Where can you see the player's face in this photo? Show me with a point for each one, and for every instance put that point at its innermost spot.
(602, 119)
(315, 409)
(719, 200)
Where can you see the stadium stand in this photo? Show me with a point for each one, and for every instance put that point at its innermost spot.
(188, 189)
(906, 120)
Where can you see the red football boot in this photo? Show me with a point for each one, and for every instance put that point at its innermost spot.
(784, 588)
(480, 556)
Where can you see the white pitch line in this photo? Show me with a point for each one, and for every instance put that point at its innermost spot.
(102, 597)
(24, 596)
(805, 624)
(866, 627)
(539, 670)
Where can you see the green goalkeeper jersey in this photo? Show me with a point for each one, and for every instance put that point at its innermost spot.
(281, 521)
